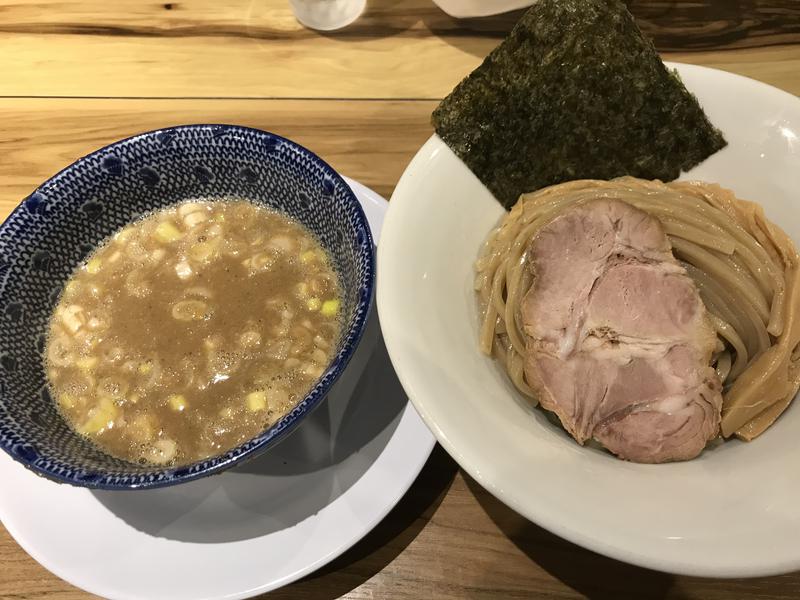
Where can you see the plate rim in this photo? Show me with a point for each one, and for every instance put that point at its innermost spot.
(549, 521)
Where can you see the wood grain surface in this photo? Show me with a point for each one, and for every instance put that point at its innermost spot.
(140, 48)
(370, 141)
(77, 74)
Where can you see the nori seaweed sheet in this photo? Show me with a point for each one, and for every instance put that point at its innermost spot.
(576, 91)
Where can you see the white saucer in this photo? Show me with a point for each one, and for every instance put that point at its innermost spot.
(251, 529)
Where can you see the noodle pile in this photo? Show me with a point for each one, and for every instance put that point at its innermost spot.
(746, 269)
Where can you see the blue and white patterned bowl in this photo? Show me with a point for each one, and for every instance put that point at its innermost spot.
(53, 229)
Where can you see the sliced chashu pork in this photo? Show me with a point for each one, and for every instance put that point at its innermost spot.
(618, 341)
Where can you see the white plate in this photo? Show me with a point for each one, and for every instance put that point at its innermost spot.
(248, 530)
(480, 8)
(735, 511)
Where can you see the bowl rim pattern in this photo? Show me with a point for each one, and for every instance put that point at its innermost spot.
(60, 472)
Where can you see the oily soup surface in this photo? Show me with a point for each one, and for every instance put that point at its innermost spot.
(191, 330)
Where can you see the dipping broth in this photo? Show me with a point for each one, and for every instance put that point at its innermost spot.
(191, 330)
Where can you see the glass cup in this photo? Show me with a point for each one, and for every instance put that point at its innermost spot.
(326, 15)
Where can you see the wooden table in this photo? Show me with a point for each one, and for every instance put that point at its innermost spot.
(77, 74)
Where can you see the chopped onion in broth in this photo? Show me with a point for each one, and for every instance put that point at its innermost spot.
(190, 330)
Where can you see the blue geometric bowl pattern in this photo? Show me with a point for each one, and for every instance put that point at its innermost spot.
(55, 228)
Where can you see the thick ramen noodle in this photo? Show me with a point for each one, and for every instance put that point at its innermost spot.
(191, 330)
(747, 271)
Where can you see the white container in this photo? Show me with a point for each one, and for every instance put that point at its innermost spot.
(462, 9)
(732, 512)
(327, 15)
